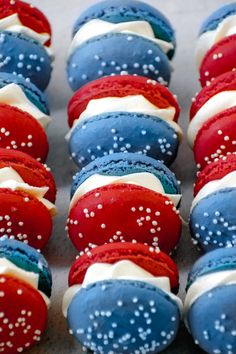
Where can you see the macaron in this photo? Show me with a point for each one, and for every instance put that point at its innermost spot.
(211, 290)
(26, 15)
(26, 282)
(29, 58)
(123, 114)
(26, 214)
(125, 197)
(218, 25)
(212, 217)
(211, 131)
(218, 60)
(128, 284)
(120, 37)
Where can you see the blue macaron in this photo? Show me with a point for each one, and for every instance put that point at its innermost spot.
(36, 96)
(114, 11)
(27, 258)
(123, 316)
(212, 21)
(211, 317)
(109, 133)
(117, 54)
(23, 56)
(121, 164)
(213, 220)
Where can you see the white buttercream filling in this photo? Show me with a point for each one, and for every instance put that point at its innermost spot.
(228, 181)
(10, 269)
(142, 179)
(225, 28)
(134, 104)
(98, 27)
(206, 283)
(13, 24)
(10, 179)
(125, 270)
(14, 96)
(216, 104)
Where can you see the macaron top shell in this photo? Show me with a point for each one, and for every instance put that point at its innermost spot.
(214, 261)
(27, 258)
(128, 10)
(36, 96)
(218, 60)
(121, 86)
(30, 170)
(155, 262)
(120, 164)
(212, 21)
(29, 15)
(224, 82)
(214, 171)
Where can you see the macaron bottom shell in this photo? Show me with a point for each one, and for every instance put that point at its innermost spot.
(23, 315)
(106, 134)
(213, 220)
(212, 320)
(117, 54)
(124, 212)
(119, 316)
(24, 218)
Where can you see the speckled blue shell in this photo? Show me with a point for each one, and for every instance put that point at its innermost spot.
(123, 132)
(120, 316)
(114, 54)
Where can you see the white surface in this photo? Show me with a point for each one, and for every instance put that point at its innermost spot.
(186, 16)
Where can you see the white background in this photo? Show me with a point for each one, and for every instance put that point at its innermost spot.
(186, 16)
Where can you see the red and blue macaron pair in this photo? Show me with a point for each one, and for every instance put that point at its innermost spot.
(123, 114)
(25, 288)
(125, 197)
(128, 292)
(120, 37)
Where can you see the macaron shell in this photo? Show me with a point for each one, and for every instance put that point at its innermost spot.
(216, 138)
(30, 170)
(22, 324)
(213, 220)
(123, 302)
(215, 332)
(29, 15)
(130, 54)
(125, 11)
(27, 258)
(216, 170)
(120, 164)
(24, 218)
(218, 60)
(21, 131)
(155, 262)
(25, 57)
(124, 212)
(109, 133)
(121, 86)
(224, 82)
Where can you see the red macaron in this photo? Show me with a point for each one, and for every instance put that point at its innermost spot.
(121, 86)
(30, 170)
(20, 131)
(23, 315)
(29, 16)
(153, 261)
(124, 212)
(218, 60)
(215, 171)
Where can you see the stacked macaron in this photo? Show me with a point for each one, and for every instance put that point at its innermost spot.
(25, 289)
(119, 38)
(123, 215)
